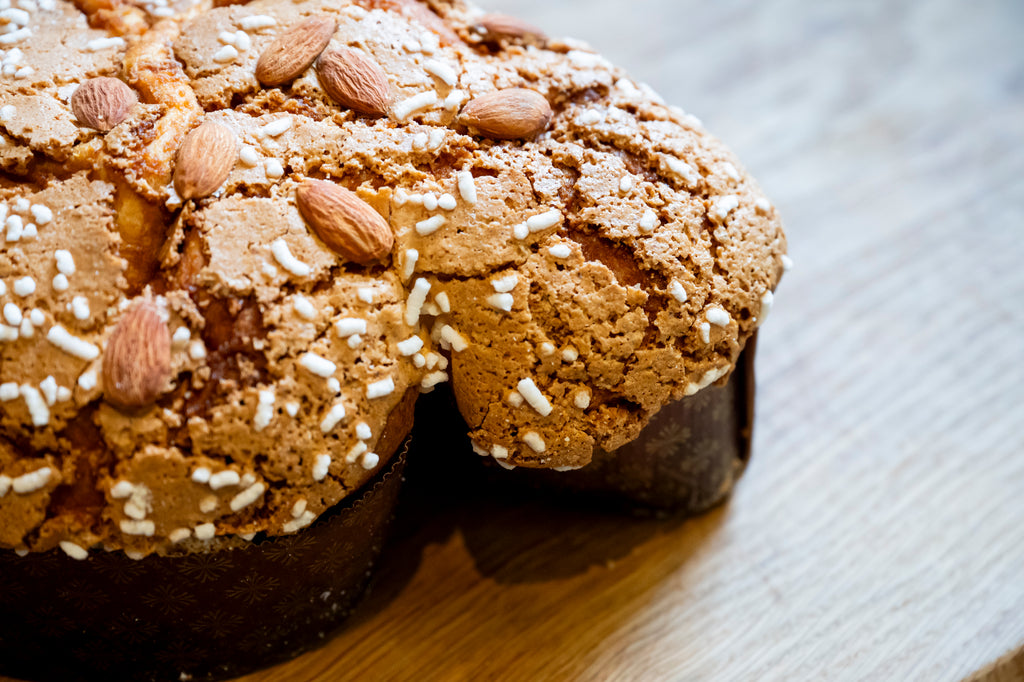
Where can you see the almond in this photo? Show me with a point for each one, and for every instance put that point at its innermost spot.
(137, 360)
(344, 222)
(204, 160)
(512, 114)
(354, 80)
(294, 51)
(102, 103)
(504, 27)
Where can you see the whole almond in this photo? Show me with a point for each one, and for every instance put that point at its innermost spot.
(344, 222)
(512, 114)
(205, 158)
(354, 80)
(293, 51)
(137, 360)
(502, 26)
(102, 103)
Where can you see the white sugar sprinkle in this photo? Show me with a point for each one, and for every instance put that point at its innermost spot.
(457, 341)
(560, 251)
(506, 283)
(589, 117)
(499, 452)
(273, 169)
(226, 54)
(433, 379)
(284, 256)
(718, 317)
(410, 346)
(205, 531)
(683, 170)
(197, 350)
(25, 286)
(429, 201)
(705, 332)
(648, 221)
(534, 397)
(533, 439)
(467, 187)
(454, 100)
(321, 467)
(365, 294)
(570, 354)
(544, 220)
(625, 184)
(520, 231)
(87, 381)
(676, 291)
(787, 263)
(179, 535)
(41, 214)
(80, 308)
(7, 112)
(247, 496)
(223, 479)
(333, 385)
(12, 314)
(723, 206)
(103, 44)
(65, 262)
(299, 507)
(411, 258)
(363, 431)
(304, 307)
(121, 490)
(437, 136)
(355, 451)
(430, 225)
(441, 70)
(370, 460)
(379, 389)
(514, 399)
(60, 282)
(419, 360)
(291, 408)
(318, 365)
(354, 341)
(709, 377)
(443, 303)
(298, 524)
(264, 409)
(276, 127)
(36, 316)
(763, 206)
(767, 300)
(582, 399)
(256, 22)
(8, 333)
(414, 304)
(446, 202)
(26, 330)
(405, 108)
(8, 391)
(248, 155)
(347, 326)
(74, 551)
(136, 527)
(48, 387)
(32, 481)
(72, 345)
(547, 348)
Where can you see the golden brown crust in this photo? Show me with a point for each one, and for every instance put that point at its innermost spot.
(576, 282)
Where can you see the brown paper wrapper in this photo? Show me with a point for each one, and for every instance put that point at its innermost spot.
(201, 616)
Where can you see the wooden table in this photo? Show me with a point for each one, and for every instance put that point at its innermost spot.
(879, 532)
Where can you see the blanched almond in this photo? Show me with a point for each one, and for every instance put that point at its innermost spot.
(503, 26)
(354, 80)
(205, 158)
(137, 360)
(102, 103)
(345, 223)
(294, 51)
(512, 114)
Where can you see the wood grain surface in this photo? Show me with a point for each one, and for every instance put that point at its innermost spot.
(878, 533)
